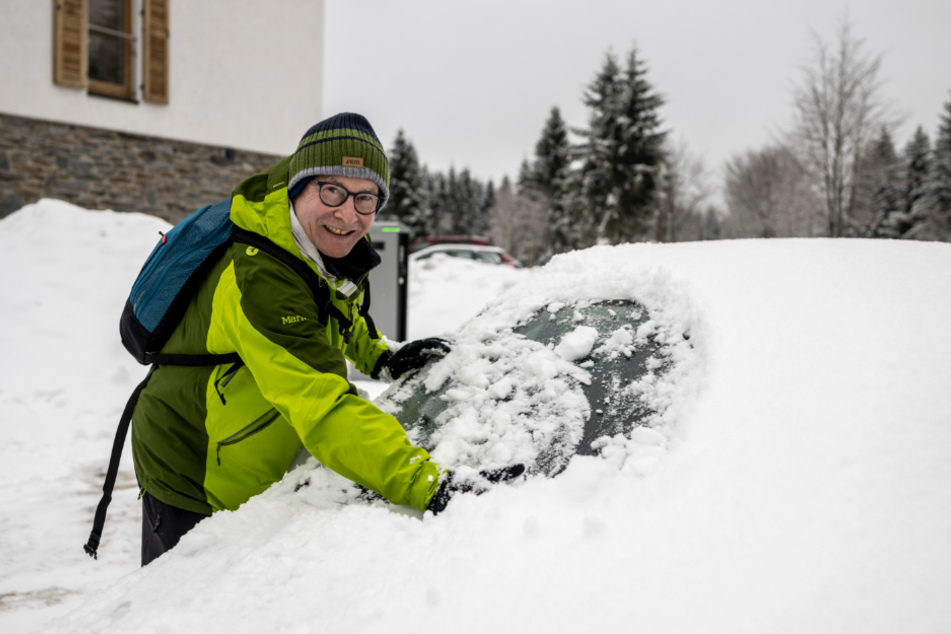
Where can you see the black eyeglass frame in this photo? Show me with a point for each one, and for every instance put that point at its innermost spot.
(320, 194)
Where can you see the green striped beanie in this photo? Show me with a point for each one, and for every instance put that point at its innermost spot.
(342, 145)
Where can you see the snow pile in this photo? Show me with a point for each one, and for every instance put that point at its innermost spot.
(64, 379)
(797, 480)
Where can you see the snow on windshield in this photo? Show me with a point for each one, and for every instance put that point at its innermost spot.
(548, 371)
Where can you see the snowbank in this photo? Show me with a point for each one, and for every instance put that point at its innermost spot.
(805, 487)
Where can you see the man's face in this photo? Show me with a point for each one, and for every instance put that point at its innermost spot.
(334, 230)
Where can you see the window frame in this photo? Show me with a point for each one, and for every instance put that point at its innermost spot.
(107, 88)
(71, 35)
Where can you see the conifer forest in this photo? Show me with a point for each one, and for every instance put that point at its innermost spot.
(835, 171)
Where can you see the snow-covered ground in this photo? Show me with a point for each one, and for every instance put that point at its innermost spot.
(802, 483)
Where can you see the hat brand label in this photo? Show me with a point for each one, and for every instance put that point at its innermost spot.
(352, 161)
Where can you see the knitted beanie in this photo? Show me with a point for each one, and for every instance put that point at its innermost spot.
(342, 145)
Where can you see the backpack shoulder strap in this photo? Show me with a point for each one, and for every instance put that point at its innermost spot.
(318, 288)
(92, 545)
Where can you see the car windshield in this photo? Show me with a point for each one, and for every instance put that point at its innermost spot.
(488, 256)
(559, 384)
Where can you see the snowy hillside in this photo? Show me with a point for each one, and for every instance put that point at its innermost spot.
(801, 482)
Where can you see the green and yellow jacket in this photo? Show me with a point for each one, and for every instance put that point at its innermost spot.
(209, 438)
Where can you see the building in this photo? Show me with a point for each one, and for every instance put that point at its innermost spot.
(156, 106)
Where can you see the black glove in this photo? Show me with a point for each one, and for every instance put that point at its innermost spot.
(450, 485)
(411, 357)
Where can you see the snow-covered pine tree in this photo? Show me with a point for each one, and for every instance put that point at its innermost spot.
(458, 202)
(488, 201)
(915, 166)
(641, 151)
(552, 155)
(469, 195)
(526, 176)
(622, 152)
(409, 198)
(880, 196)
(440, 221)
(593, 204)
(454, 203)
(549, 178)
(935, 202)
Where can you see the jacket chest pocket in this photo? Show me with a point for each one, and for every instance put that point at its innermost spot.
(254, 427)
(236, 395)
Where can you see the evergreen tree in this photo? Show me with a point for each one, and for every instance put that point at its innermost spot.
(409, 198)
(590, 200)
(526, 177)
(454, 203)
(887, 196)
(916, 164)
(440, 221)
(548, 179)
(488, 201)
(552, 156)
(880, 195)
(623, 150)
(469, 195)
(575, 227)
(459, 203)
(935, 202)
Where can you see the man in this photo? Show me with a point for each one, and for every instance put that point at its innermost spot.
(209, 438)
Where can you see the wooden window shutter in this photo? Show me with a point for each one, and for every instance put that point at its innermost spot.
(155, 51)
(69, 54)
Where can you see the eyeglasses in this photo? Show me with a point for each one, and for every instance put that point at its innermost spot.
(333, 195)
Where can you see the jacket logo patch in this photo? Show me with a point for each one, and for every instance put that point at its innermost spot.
(252, 251)
(353, 161)
(292, 319)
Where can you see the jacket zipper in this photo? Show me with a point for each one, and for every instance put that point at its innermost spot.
(226, 379)
(259, 424)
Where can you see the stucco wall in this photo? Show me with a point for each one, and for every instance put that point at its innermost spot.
(245, 74)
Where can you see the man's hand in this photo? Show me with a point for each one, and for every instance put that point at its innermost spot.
(450, 486)
(410, 357)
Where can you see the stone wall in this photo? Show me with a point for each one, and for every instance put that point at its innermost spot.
(104, 169)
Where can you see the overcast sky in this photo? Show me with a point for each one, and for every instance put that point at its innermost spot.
(472, 83)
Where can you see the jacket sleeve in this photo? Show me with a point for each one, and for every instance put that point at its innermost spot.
(267, 315)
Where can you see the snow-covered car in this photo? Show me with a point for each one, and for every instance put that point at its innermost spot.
(570, 361)
(477, 252)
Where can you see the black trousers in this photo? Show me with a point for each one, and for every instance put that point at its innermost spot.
(163, 525)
